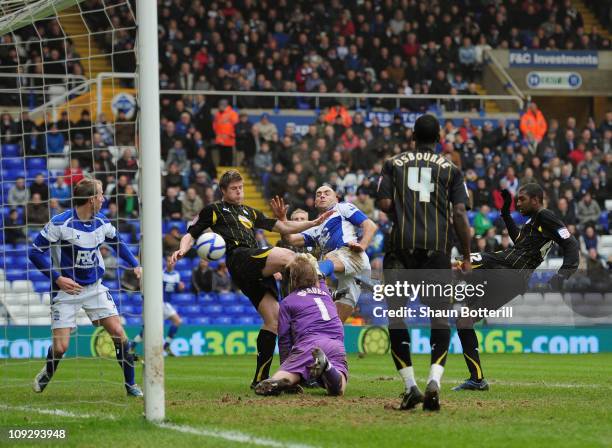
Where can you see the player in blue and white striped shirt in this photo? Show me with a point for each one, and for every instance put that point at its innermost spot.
(67, 250)
(172, 283)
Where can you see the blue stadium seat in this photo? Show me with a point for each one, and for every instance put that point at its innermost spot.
(227, 297)
(603, 220)
(244, 320)
(125, 309)
(222, 320)
(136, 321)
(471, 215)
(167, 225)
(493, 215)
(42, 286)
(207, 297)
(190, 310)
(36, 163)
(11, 150)
(113, 285)
(211, 310)
(16, 274)
(126, 237)
(185, 277)
(13, 174)
(31, 173)
(182, 298)
(200, 320)
(13, 164)
(182, 264)
(235, 309)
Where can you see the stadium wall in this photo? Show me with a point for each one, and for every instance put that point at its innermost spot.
(25, 343)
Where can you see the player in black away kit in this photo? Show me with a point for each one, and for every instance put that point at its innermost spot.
(507, 272)
(251, 268)
(417, 189)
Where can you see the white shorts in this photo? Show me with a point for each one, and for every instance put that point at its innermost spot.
(169, 310)
(94, 299)
(355, 264)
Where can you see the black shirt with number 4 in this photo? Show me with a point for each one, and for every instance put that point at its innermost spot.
(235, 223)
(422, 186)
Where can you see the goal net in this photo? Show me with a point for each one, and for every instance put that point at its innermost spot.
(67, 111)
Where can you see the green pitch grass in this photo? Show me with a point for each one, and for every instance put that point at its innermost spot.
(535, 400)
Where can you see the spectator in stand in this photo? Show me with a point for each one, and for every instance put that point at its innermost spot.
(221, 280)
(225, 135)
(265, 128)
(18, 195)
(364, 202)
(482, 223)
(14, 228)
(263, 160)
(40, 186)
(202, 277)
(37, 212)
(171, 241)
(245, 143)
(127, 164)
(173, 177)
(54, 207)
(192, 204)
(128, 203)
(110, 263)
(125, 130)
(73, 174)
(61, 191)
(105, 129)
(55, 141)
(172, 207)
(565, 212)
(533, 123)
(588, 240)
(588, 210)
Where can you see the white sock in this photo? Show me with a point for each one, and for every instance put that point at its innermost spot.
(435, 373)
(407, 374)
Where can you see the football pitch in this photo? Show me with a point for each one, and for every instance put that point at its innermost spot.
(535, 400)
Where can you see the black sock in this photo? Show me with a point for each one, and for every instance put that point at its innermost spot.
(469, 343)
(400, 346)
(126, 361)
(52, 362)
(439, 340)
(266, 343)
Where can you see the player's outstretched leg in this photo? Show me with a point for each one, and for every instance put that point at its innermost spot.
(61, 339)
(469, 343)
(323, 370)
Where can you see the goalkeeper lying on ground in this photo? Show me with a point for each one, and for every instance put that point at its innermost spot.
(310, 334)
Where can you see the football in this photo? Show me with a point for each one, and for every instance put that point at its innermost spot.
(210, 246)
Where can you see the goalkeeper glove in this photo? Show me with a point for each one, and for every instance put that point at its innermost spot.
(507, 202)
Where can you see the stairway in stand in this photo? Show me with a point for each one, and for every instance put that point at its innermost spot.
(590, 20)
(93, 57)
(253, 197)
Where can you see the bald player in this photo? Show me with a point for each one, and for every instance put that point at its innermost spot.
(342, 252)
